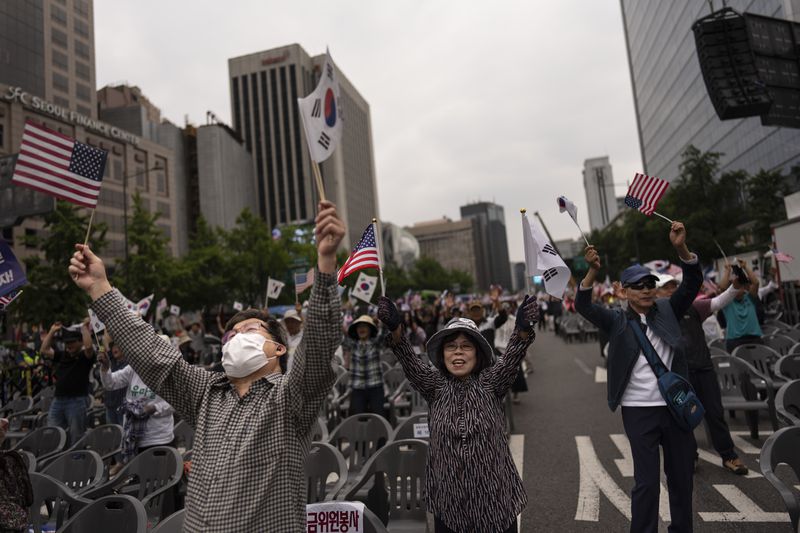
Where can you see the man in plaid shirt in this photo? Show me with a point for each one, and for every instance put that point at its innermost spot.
(251, 422)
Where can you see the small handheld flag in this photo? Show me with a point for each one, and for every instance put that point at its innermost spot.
(274, 288)
(565, 205)
(8, 298)
(321, 113)
(364, 255)
(303, 281)
(12, 277)
(365, 287)
(644, 194)
(541, 259)
(60, 166)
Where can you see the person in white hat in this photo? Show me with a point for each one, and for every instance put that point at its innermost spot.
(471, 481)
(293, 322)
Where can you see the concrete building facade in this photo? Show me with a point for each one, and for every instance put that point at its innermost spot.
(598, 184)
(264, 91)
(226, 179)
(451, 243)
(47, 47)
(133, 164)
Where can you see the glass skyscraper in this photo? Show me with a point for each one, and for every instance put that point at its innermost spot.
(673, 109)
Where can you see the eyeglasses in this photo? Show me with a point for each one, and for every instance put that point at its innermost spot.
(641, 285)
(463, 347)
(254, 327)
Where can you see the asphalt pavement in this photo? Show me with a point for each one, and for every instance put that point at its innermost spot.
(576, 461)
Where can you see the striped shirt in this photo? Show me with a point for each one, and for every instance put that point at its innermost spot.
(471, 481)
(249, 452)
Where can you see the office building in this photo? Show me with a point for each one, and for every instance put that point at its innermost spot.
(598, 183)
(133, 165)
(673, 109)
(47, 49)
(264, 90)
(491, 243)
(518, 276)
(451, 243)
(226, 180)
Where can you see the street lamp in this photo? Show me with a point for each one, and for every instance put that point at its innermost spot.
(125, 199)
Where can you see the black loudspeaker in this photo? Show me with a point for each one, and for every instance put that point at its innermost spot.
(729, 66)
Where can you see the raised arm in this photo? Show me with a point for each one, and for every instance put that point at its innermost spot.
(424, 378)
(599, 316)
(311, 376)
(681, 300)
(114, 380)
(47, 344)
(157, 362)
(499, 377)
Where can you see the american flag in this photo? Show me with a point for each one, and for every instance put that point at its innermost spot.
(645, 192)
(303, 281)
(8, 298)
(781, 257)
(365, 255)
(57, 165)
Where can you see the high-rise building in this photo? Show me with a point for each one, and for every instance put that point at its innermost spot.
(47, 49)
(491, 243)
(451, 243)
(598, 182)
(264, 91)
(673, 109)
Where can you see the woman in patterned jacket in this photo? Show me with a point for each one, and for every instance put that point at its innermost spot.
(471, 482)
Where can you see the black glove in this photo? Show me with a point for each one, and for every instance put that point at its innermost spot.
(527, 315)
(388, 313)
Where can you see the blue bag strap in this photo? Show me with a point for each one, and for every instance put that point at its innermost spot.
(647, 349)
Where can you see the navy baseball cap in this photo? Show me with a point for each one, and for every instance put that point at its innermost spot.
(635, 273)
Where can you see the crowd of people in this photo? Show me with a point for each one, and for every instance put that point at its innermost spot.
(253, 387)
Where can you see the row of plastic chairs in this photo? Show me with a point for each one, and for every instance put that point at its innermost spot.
(783, 447)
(574, 327)
(781, 344)
(390, 483)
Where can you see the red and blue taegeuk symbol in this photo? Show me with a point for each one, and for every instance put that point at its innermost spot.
(365, 286)
(330, 108)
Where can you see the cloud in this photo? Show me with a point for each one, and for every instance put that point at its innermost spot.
(494, 101)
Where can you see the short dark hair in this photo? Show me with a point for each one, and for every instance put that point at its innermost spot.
(274, 328)
(481, 357)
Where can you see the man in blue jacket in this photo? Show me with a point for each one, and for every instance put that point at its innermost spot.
(632, 383)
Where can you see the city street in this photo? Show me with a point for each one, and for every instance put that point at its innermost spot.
(576, 461)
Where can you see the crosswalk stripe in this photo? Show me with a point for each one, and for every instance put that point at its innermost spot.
(746, 509)
(600, 374)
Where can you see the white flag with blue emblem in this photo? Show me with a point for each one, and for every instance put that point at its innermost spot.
(542, 259)
(322, 113)
(365, 287)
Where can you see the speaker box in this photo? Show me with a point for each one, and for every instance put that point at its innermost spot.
(729, 66)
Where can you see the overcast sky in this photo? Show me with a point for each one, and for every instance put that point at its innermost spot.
(499, 101)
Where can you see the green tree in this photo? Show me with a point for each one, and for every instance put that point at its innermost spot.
(765, 192)
(149, 267)
(50, 294)
(254, 257)
(200, 279)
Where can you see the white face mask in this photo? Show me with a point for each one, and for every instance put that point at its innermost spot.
(244, 354)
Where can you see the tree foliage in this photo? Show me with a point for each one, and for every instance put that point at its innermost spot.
(715, 206)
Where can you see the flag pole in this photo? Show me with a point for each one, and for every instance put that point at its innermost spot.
(89, 229)
(379, 242)
(527, 273)
(662, 216)
(318, 179)
(724, 255)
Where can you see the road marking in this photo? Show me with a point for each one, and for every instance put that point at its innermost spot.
(516, 444)
(747, 509)
(744, 445)
(625, 464)
(600, 374)
(716, 461)
(593, 480)
(583, 366)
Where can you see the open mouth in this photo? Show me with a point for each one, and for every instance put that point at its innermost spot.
(458, 363)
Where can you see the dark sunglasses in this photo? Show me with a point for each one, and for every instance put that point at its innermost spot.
(641, 285)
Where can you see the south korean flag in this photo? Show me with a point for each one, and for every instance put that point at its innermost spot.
(541, 259)
(322, 113)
